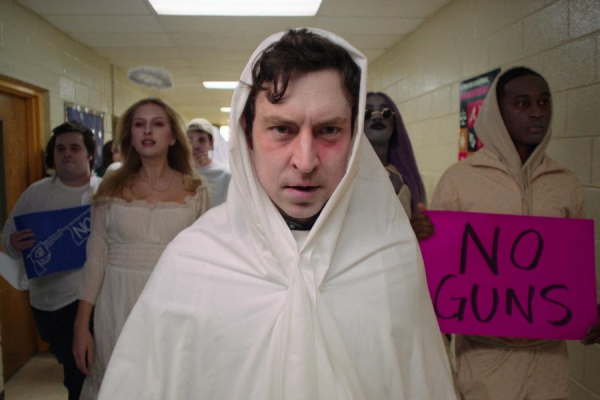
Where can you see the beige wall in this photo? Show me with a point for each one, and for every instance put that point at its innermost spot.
(560, 39)
(32, 51)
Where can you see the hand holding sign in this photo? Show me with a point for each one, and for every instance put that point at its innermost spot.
(22, 240)
(61, 238)
(593, 334)
(513, 276)
(421, 224)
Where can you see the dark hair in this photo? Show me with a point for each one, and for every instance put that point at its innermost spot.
(107, 154)
(511, 74)
(401, 156)
(68, 127)
(299, 52)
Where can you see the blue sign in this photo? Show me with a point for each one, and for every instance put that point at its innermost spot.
(60, 240)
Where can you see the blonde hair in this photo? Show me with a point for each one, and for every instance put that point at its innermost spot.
(179, 156)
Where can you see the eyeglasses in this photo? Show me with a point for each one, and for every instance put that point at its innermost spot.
(386, 113)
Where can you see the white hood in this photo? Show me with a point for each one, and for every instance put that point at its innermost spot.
(234, 310)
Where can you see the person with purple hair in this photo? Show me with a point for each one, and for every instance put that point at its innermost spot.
(386, 132)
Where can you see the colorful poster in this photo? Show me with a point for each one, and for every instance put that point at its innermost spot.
(60, 240)
(93, 120)
(511, 276)
(472, 94)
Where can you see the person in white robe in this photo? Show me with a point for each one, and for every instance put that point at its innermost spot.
(308, 283)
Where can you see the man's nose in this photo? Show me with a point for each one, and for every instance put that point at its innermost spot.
(305, 157)
(537, 111)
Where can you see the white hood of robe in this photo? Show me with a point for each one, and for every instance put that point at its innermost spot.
(235, 310)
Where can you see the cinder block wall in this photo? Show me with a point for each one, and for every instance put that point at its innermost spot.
(33, 51)
(560, 39)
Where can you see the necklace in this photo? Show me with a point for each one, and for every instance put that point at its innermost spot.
(154, 187)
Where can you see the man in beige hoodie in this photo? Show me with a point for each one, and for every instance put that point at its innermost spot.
(513, 175)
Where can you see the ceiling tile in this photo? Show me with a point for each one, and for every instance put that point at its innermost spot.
(154, 62)
(381, 8)
(137, 53)
(105, 23)
(223, 42)
(124, 39)
(88, 7)
(261, 26)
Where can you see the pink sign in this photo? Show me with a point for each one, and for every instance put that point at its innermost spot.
(511, 276)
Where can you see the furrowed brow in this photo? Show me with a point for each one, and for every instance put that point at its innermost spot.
(274, 120)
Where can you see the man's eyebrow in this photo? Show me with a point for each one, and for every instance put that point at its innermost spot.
(333, 121)
(275, 120)
(526, 96)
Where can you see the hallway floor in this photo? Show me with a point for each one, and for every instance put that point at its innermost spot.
(40, 378)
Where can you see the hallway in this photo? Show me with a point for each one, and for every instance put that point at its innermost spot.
(40, 378)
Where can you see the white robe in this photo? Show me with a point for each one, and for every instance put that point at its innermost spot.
(235, 310)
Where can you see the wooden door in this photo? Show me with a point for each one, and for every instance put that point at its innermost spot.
(18, 115)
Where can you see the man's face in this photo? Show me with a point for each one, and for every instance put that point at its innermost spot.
(116, 154)
(378, 129)
(71, 158)
(201, 144)
(301, 145)
(526, 109)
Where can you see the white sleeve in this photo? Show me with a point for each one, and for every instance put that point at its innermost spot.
(96, 255)
(20, 208)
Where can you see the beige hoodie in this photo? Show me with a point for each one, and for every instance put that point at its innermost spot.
(495, 181)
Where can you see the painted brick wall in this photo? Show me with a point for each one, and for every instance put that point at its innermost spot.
(560, 39)
(33, 51)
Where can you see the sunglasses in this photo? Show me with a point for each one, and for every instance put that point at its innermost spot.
(386, 113)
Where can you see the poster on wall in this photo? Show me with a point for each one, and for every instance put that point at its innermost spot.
(472, 94)
(93, 120)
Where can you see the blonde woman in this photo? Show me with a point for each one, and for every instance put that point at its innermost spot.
(138, 209)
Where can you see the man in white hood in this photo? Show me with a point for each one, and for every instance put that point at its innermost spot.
(200, 135)
(512, 174)
(308, 284)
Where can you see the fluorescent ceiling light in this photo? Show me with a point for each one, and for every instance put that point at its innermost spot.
(220, 85)
(302, 8)
(225, 109)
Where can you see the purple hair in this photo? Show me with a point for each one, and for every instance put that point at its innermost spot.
(402, 157)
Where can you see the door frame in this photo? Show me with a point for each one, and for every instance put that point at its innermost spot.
(33, 98)
(33, 101)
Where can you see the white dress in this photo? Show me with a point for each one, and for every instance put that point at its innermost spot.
(125, 244)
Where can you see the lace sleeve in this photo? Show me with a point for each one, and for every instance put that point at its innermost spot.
(96, 255)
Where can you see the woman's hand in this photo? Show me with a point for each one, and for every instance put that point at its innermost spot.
(83, 349)
(83, 342)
